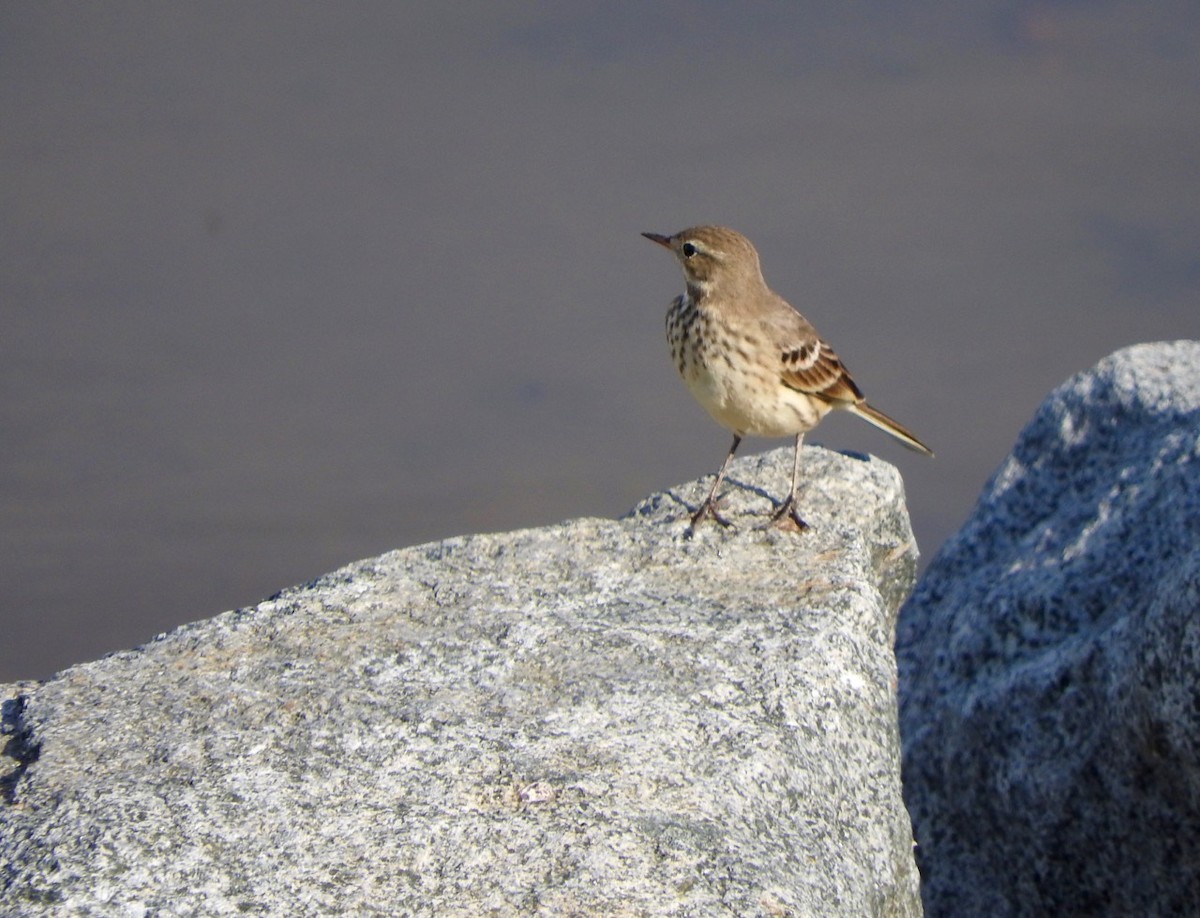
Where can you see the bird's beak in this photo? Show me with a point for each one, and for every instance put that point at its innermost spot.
(664, 241)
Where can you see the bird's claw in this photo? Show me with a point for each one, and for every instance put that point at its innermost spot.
(708, 510)
(786, 517)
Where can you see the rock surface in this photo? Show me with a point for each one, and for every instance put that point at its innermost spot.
(1050, 661)
(594, 718)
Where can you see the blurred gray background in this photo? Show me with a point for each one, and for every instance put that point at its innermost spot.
(285, 285)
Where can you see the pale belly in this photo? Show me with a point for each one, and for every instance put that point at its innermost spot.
(751, 400)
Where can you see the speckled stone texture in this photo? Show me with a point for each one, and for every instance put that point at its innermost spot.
(594, 718)
(1050, 661)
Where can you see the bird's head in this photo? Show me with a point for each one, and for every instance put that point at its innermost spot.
(712, 256)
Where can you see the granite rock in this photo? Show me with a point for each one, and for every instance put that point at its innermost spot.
(1050, 661)
(594, 718)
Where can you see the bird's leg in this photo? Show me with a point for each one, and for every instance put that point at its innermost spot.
(709, 507)
(786, 517)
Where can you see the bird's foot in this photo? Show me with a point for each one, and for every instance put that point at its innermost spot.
(786, 517)
(708, 510)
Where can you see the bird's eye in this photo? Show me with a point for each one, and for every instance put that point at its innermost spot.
(689, 250)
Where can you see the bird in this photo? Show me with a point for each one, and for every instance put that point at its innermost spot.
(752, 360)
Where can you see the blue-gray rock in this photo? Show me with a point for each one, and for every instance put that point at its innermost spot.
(594, 718)
(1050, 661)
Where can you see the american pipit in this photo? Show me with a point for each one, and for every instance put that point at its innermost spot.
(754, 363)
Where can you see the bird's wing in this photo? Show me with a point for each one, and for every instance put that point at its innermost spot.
(808, 364)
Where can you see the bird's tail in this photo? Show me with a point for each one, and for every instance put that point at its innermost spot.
(888, 425)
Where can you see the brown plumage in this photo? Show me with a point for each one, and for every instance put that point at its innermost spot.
(754, 363)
